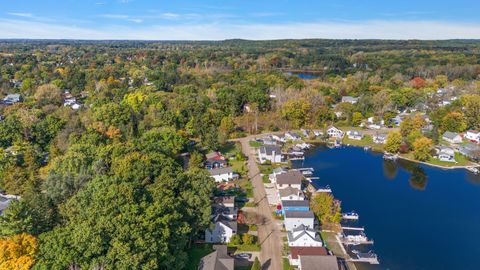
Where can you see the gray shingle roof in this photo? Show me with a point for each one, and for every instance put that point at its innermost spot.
(296, 203)
(450, 135)
(219, 171)
(217, 260)
(299, 214)
(288, 191)
(269, 149)
(319, 262)
(302, 230)
(290, 177)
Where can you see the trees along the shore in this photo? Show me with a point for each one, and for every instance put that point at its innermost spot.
(325, 208)
(422, 148)
(394, 140)
(471, 104)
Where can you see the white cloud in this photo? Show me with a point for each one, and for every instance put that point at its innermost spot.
(217, 31)
(114, 16)
(20, 14)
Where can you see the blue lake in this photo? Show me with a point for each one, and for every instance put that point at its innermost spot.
(420, 217)
(305, 76)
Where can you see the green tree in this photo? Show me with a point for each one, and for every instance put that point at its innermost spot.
(357, 118)
(394, 140)
(454, 121)
(471, 104)
(297, 112)
(421, 149)
(256, 264)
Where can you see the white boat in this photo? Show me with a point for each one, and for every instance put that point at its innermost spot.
(326, 189)
(472, 169)
(350, 215)
(388, 156)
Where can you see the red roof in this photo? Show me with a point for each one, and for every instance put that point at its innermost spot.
(296, 251)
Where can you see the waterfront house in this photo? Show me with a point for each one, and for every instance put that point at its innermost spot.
(472, 136)
(5, 200)
(291, 194)
(277, 171)
(446, 154)
(221, 230)
(294, 219)
(308, 262)
(350, 99)
(354, 135)
(269, 141)
(380, 138)
(334, 132)
(304, 236)
(289, 179)
(270, 153)
(317, 132)
(472, 151)
(222, 174)
(279, 139)
(295, 253)
(305, 132)
(11, 99)
(217, 260)
(452, 137)
(290, 136)
(295, 205)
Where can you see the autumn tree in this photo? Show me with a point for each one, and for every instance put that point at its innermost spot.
(48, 94)
(421, 149)
(18, 252)
(394, 140)
(471, 104)
(297, 112)
(326, 208)
(454, 121)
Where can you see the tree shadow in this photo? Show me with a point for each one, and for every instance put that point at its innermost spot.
(267, 264)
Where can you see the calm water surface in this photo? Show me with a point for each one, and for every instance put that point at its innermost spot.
(420, 217)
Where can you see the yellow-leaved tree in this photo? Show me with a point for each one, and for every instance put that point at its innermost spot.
(18, 252)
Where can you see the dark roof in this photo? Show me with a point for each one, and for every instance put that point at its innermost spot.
(301, 251)
(296, 203)
(315, 262)
(299, 214)
(290, 177)
(218, 171)
(232, 224)
(217, 260)
(224, 200)
(450, 135)
(269, 149)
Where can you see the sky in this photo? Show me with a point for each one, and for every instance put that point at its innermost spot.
(246, 19)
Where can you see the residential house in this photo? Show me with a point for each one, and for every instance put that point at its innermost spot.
(294, 219)
(473, 136)
(452, 137)
(269, 141)
(224, 206)
(334, 132)
(222, 174)
(472, 151)
(350, 99)
(290, 136)
(289, 179)
(270, 153)
(354, 135)
(380, 138)
(5, 200)
(295, 205)
(221, 231)
(291, 194)
(273, 176)
(304, 236)
(279, 139)
(295, 253)
(215, 160)
(317, 132)
(445, 154)
(217, 260)
(308, 262)
(12, 99)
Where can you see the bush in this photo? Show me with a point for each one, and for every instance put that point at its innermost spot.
(248, 239)
(236, 240)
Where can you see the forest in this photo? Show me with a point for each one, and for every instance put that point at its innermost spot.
(94, 148)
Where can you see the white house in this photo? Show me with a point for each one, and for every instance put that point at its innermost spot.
(452, 137)
(294, 219)
(292, 136)
(222, 174)
(270, 153)
(334, 132)
(279, 139)
(221, 231)
(303, 236)
(291, 194)
(354, 135)
(317, 132)
(289, 179)
(350, 99)
(445, 154)
(12, 99)
(380, 138)
(473, 136)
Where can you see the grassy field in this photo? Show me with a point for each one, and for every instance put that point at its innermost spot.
(255, 144)
(365, 141)
(197, 252)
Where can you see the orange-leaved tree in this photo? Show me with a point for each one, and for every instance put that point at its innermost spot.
(18, 252)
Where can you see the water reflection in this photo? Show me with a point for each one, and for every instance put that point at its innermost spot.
(389, 169)
(418, 178)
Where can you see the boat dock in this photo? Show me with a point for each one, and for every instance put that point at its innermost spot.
(353, 228)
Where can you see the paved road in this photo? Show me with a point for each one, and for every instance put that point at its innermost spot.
(269, 234)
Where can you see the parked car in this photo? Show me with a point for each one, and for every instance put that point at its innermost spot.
(243, 256)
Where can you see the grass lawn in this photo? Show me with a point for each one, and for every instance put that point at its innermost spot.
(247, 187)
(286, 264)
(365, 141)
(255, 144)
(461, 161)
(254, 247)
(197, 252)
(238, 167)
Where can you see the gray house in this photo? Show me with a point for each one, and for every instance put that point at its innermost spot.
(12, 99)
(217, 260)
